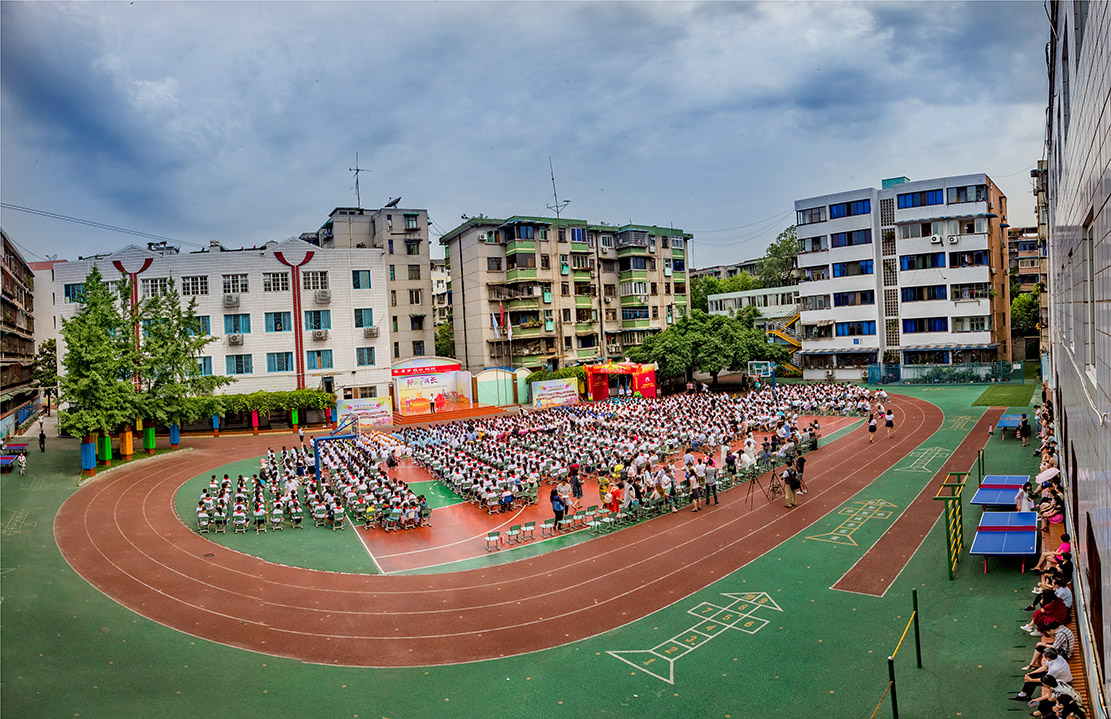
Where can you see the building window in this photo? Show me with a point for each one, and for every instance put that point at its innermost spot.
(928, 261)
(194, 285)
(679, 265)
(364, 356)
(394, 323)
(279, 361)
(655, 312)
(418, 347)
(360, 279)
(235, 284)
(364, 317)
(979, 258)
(238, 364)
(393, 298)
(566, 315)
(921, 199)
(389, 245)
(852, 299)
(493, 264)
(318, 319)
(972, 324)
(314, 280)
(525, 232)
(414, 297)
(416, 322)
(319, 359)
(237, 324)
(926, 324)
(851, 269)
(202, 326)
(279, 322)
(971, 193)
(1088, 243)
(970, 291)
(204, 366)
(545, 262)
(925, 294)
(396, 350)
(393, 274)
(576, 234)
(655, 288)
(152, 286)
(809, 217)
(849, 239)
(634, 313)
(414, 272)
(854, 329)
(411, 222)
(275, 282)
(848, 209)
(412, 247)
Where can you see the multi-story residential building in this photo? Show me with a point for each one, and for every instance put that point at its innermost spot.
(779, 315)
(17, 332)
(1026, 263)
(1041, 207)
(724, 272)
(541, 292)
(913, 272)
(403, 235)
(285, 316)
(441, 292)
(1078, 175)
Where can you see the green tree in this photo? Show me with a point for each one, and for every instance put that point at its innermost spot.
(780, 259)
(445, 339)
(703, 287)
(1024, 314)
(97, 385)
(171, 340)
(46, 370)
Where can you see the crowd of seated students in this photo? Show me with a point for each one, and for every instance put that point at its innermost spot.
(1047, 683)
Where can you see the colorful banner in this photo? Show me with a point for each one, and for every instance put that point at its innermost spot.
(555, 392)
(424, 369)
(428, 393)
(371, 410)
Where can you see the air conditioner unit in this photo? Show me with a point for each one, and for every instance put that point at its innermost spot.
(370, 332)
(231, 300)
(606, 250)
(954, 239)
(593, 274)
(323, 297)
(936, 239)
(319, 335)
(236, 339)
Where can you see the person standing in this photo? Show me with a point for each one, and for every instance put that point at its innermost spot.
(790, 486)
(871, 428)
(696, 489)
(800, 464)
(711, 482)
(301, 434)
(22, 464)
(1024, 431)
(42, 440)
(889, 423)
(558, 507)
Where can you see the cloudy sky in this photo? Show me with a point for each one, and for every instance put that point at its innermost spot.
(240, 121)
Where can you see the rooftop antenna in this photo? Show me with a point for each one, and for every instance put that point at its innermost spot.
(558, 207)
(356, 169)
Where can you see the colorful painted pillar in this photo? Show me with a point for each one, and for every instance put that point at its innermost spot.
(293, 418)
(88, 455)
(149, 440)
(175, 435)
(106, 450)
(215, 425)
(126, 442)
(254, 421)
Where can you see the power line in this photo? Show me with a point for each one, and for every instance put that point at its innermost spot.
(741, 227)
(93, 223)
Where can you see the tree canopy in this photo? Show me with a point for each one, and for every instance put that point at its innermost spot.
(445, 340)
(45, 373)
(703, 287)
(780, 259)
(1024, 314)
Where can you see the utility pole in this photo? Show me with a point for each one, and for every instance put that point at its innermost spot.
(558, 206)
(356, 169)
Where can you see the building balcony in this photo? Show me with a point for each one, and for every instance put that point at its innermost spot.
(634, 301)
(580, 247)
(587, 353)
(520, 274)
(638, 324)
(525, 303)
(632, 250)
(584, 301)
(584, 327)
(582, 275)
(522, 332)
(678, 253)
(520, 246)
(633, 275)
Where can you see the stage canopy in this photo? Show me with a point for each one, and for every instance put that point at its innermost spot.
(640, 378)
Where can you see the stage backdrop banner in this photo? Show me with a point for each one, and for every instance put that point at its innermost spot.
(555, 392)
(424, 394)
(372, 410)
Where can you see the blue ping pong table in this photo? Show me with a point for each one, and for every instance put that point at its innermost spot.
(999, 490)
(1008, 422)
(7, 461)
(1006, 534)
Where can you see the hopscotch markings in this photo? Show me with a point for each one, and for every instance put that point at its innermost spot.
(17, 524)
(869, 509)
(38, 482)
(962, 423)
(922, 458)
(659, 661)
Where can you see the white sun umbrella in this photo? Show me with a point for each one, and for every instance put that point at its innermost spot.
(1047, 475)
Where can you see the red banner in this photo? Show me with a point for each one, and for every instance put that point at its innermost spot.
(430, 369)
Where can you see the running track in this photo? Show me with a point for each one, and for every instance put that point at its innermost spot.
(123, 535)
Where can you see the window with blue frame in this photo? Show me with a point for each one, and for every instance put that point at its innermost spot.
(576, 234)
(849, 209)
(74, 293)
(679, 265)
(852, 299)
(927, 261)
(202, 326)
(237, 324)
(977, 258)
(279, 361)
(926, 324)
(854, 329)
(525, 232)
(279, 322)
(204, 366)
(851, 269)
(318, 319)
(925, 294)
(238, 364)
(319, 359)
(849, 239)
(364, 317)
(364, 356)
(360, 279)
(634, 313)
(921, 199)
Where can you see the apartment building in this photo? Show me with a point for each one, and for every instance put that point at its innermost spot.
(1026, 258)
(1078, 178)
(779, 315)
(285, 316)
(911, 273)
(539, 292)
(17, 331)
(403, 235)
(724, 272)
(1040, 180)
(441, 292)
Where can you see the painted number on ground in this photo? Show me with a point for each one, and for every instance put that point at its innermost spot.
(857, 517)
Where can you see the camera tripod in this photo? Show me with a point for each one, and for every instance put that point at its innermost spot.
(774, 488)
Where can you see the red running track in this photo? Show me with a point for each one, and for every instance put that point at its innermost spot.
(123, 535)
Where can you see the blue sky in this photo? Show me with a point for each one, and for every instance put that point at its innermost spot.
(239, 121)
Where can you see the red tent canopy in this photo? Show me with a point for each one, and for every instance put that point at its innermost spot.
(597, 378)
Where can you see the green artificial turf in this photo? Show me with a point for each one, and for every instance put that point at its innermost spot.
(1006, 395)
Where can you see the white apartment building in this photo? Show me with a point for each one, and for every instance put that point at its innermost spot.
(912, 273)
(285, 316)
(441, 292)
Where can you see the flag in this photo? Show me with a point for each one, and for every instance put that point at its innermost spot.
(494, 324)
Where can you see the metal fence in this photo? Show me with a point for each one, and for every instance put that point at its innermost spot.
(975, 373)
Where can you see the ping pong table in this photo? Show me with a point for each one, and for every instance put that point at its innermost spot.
(1006, 534)
(15, 447)
(1008, 422)
(999, 490)
(7, 461)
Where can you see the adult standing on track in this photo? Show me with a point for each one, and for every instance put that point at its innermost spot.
(889, 422)
(790, 486)
(871, 428)
(800, 463)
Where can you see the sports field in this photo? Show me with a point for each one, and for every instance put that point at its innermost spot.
(741, 611)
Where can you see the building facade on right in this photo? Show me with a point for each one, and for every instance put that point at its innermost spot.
(1078, 173)
(911, 273)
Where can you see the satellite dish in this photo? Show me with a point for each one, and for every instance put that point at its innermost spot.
(393, 202)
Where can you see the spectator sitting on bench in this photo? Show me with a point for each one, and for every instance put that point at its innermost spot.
(1051, 664)
(1049, 559)
(1053, 610)
(1053, 689)
(1057, 636)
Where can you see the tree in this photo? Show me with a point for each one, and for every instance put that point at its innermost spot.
(780, 259)
(97, 385)
(1025, 310)
(703, 287)
(445, 340)
(46, 370)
